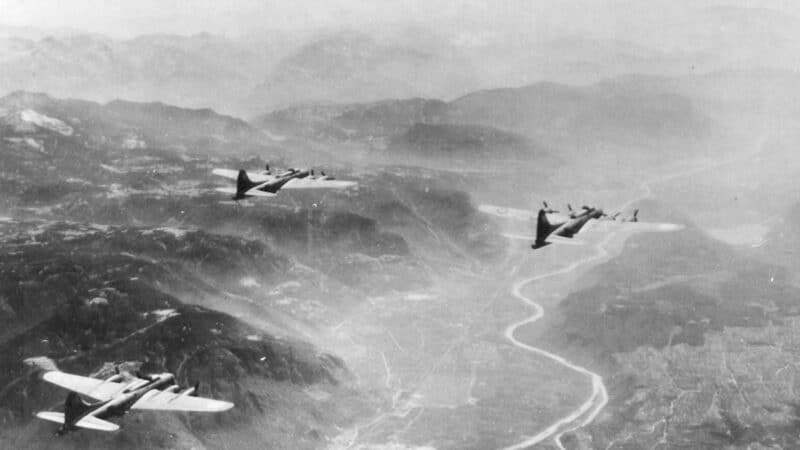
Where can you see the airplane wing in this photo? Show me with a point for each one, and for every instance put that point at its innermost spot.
(317, 183)
(507, 213)
(564, 240)
(652, 226)
(90, 387)
(591, 223)
(255, 177)
(253, 192)
(170, 401)
(90, 422)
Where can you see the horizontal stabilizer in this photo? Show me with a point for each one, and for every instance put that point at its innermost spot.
(93, 423)
(88, 422)
(56, 417)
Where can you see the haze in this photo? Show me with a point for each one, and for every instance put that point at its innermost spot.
(405, 225)
(124, 19)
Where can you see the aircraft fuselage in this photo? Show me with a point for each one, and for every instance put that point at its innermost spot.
(284, 178)
(553, 224)
(76, 409)
(571, 227)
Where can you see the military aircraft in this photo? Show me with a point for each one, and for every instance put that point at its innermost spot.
(117, 395)
(265, 184)
(551, 225)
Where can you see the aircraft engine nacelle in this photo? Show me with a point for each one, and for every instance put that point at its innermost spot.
(166, 376)
(193, 391)
(135, 385)
(189, 391)
(112, 378)
(172, 388)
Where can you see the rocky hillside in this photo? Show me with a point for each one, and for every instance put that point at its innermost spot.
(694, 340)
(128, 125)
(88, 296)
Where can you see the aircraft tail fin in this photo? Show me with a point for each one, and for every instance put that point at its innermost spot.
(74, 415)
(88, 422)
(543, 229)
(243, 184)
(74, 408)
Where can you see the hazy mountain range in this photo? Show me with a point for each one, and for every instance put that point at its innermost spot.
(253, 74)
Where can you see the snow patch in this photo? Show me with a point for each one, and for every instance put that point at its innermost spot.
(177, 232)
(163, 314)
(46, 122)
(133, 142)
(274, 137)
(283, 287)
(30, 142)
(249, 282)
(111, 168)
(417, 297)
(97, 301)
(81, 181)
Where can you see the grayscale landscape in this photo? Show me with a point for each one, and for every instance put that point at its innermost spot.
(405, 308)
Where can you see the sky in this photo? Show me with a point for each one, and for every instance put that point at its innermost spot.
(128, 18)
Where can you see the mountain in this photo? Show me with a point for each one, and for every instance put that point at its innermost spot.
(207, 69)
(127, 163)
(690, 336)
(85, 296)
(780, 244)
(239, 76)
(549, 109)
(119, 251)
(508, 122)
(447, 140)
(356, 67)
(356, 121)
(130, 125)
